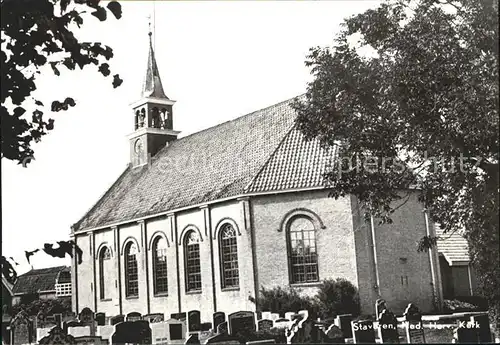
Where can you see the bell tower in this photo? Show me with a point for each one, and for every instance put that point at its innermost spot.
(153, 116)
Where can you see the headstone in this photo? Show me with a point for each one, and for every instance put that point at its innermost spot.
(223, 328)
(241, 322)
(289, 315)
(335, 334)
(87, 318)
(218, 318)
(178, 316)
(21, 328)
(68, 324)
(343, 321)
(192, 339)
(100, 318)
(133, 316)
(43, 332)
(193, 321)
(266, 315)
(40, 319)
(105, 332)
(90, 340)
(379, 306)
(56, 336)
(413, 324)
(176, 331)
(363, 331)
(116, 319)
(81, 331)
(205, 326)
(275, 316)
(159, 332)
(484, 331)
(264, 325)
(58, 319)
(467, 331)
(281, 323)
(135, 332)
(388, 327)
(154, 318)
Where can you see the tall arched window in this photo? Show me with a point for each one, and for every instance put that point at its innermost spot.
(303, 258)
(104, 260)
(192, 261)
(228, 256)
(160, 265)
(131, 271)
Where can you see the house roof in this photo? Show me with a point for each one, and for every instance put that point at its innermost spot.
(38, 280)
(7, 284)
(261, 151)
(453, 247)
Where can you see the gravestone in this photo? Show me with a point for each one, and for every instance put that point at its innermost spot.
(154, 318)
(413, 324)
(484, 331)
(100, 318)
(343, 321)
(73, 323)
(82, 331)
(222, 328)
(380, 305)
(205, 326)
(241, 322)
(57, 336)
(335, 334)
(266, 315)
(218, 318)
(176, 331)
(159, 332)
(192, 339)
(388, 327)
(275, 316)
(105, 332)
(178, 316)
(363, 331)
(135, 332)
(193, 321)
(289, 315)
(466, 331)
(87, 318)
(90, 340)
(264, 325)
(40, 319)
(21, 329)
(133, 316)
(58, 319)
(116, 319)
(282, 323)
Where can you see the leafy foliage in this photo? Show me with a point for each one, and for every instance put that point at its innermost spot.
(37, 33)
(418, 91)
(282, 300)
(47, 306)
(336, 297)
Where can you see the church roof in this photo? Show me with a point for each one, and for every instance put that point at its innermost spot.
(258, 152)
(453, 247)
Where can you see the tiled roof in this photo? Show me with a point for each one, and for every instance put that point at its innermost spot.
(243, 155)
(38, 280)
(453, 247)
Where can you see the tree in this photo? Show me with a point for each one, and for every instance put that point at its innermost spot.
(415, 104)
(37, 33)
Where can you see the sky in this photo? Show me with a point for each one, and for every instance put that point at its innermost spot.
(218, 59)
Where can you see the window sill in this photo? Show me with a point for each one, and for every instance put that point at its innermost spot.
(308, 284)
(132, 297)
(193, 292)
(106, 299)
(161, 294)
(232, 288)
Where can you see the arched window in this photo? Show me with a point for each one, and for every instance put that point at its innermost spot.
(160, 265)
(131, 272)
(303, 258)
(104, 259)
(192, 261)
(228, 256)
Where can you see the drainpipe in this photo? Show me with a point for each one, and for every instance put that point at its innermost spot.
(469, 272)
(436, 291)
(374, 255)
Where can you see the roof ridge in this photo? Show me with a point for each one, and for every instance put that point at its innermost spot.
(271, 156)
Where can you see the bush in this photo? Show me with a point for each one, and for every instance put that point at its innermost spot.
(336, 297)
(279, 300)
(48, 307)
(464, 304)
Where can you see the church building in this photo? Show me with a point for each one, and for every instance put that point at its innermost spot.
(206, 220)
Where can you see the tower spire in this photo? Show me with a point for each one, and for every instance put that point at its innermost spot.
(152, 83)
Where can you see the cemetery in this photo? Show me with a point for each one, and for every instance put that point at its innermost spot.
(248, 327)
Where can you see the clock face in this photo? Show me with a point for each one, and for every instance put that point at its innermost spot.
(138, 146)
